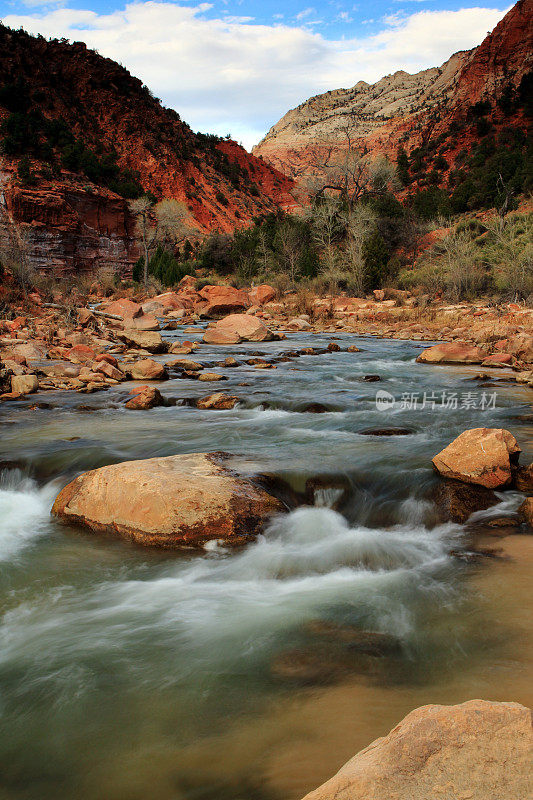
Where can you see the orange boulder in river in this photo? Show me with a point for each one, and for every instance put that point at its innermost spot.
(147, 370)
(481, 455)
(145, 398)
(216, 336)
(249, 329)
(452, 353)
(172, 502)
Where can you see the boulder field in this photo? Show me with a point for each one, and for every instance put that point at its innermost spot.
(479, 750)
(127, 329)
(170, 503)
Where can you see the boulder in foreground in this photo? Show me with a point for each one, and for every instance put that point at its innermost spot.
(173, 502)
(481, 455)
(479, 750)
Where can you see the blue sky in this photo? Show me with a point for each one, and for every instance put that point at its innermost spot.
(236, 66)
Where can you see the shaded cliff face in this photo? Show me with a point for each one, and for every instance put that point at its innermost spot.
(60, 100)
(408, 109)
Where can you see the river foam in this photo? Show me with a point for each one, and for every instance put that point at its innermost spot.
(24, 512)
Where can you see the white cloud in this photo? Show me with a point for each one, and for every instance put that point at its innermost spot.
(305, 13)
(232, 75)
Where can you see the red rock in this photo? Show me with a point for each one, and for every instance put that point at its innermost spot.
(521, 347)
(259, 295)
(147, 370)
(106, 357)
(81, 354)
(452, 353)
(85, 316)
(215, 336)
(222, 300)
(107, 369)
(146, 322)
(149, 397)
(182, 349)
(170, 301)
(145, 340)
(523, 479)
(188, 281)
(210, 376)
(187, 364)
(24, 384)
(124, 308)
(482, 456)
(249, 329)
(498, 360)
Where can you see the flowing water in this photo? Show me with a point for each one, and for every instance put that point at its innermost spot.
(127, 673)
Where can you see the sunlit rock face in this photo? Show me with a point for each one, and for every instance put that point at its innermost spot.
(407, 109)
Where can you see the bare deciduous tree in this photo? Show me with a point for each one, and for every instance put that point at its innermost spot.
(164, 223)
(345, 169)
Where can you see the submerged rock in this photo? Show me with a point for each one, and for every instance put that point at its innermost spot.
(526, 511)
(523, 479)
(372, 643)
(386, 432)
(172, 502)
(218, 401)
(479, 750)
(483, 456)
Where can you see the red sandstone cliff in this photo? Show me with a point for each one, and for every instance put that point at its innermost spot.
(73, 222)
(410, 109)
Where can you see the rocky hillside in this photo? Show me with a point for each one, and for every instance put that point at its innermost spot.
(491, 81)
(80, 136)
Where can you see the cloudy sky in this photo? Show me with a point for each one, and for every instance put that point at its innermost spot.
(236, 66)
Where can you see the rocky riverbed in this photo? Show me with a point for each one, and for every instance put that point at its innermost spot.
(364, 585)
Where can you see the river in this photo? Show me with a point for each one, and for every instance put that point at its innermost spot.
(127, 673)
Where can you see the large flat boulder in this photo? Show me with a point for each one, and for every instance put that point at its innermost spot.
(244, 326)
(173, 502)
(479, 750)
(452, 353)
(123, 307)
(216, 336)
(144, 340)
(483, 456)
